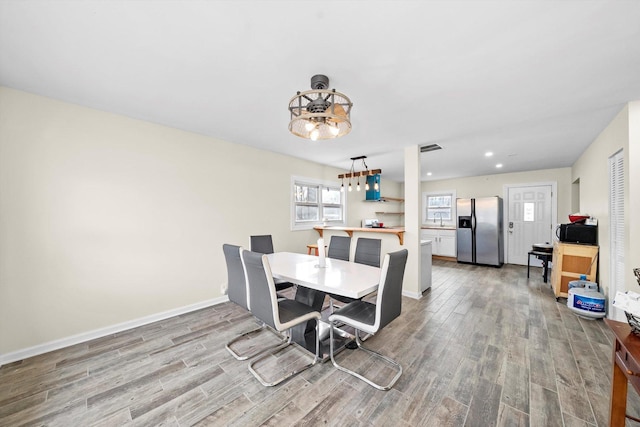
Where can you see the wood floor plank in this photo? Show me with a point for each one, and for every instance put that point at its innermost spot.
(328, 408)
(461, 386)
(545, 408)
(493, 363)
(570, 421)
(541, 369)
(168, 413)
(285, 417)
(573, 402)
(449, 413)
(508, 416)
(485, 404)
(600, 406)
(566, 367)
(515, 392)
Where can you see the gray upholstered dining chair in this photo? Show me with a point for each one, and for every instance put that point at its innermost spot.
(368, 251)
(238, 293)
(263, 244)
(370, 318)
(339, 247)
(280, 315)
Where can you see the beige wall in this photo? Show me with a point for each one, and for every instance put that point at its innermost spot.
(493, 185)
(592, 168)
(106, 219)
(632, 257)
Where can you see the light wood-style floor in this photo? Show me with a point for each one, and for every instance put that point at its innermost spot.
(483, 347)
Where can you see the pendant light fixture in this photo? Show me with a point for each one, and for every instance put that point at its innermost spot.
(365, 173)
(320, 113)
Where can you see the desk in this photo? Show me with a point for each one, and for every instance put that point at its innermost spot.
(626, 369)
(339, 277)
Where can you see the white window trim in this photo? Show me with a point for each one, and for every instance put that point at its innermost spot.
(426, 194)
(312, 181)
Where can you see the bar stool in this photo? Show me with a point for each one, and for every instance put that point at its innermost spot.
(314, 247)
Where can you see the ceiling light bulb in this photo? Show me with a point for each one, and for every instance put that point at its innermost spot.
(358, 185)
(488, 154)
(350, 188)
(366, 185)
(429, 174)
(314, 134)
(309, 126)
(376, 186)
(499, 165)
(334, 130)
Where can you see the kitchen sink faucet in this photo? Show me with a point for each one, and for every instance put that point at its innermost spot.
(434, 218)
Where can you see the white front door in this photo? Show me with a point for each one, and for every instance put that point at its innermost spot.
(529, 219)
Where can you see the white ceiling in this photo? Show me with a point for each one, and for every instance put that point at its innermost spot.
(534, 82)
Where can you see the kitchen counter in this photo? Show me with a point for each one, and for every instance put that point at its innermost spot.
(399, 231)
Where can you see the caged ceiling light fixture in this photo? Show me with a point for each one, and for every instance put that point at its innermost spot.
(366, 172)
(320, 113)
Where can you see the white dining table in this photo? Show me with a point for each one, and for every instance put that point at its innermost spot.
(339, 277)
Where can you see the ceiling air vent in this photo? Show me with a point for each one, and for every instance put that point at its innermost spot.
(430, 147)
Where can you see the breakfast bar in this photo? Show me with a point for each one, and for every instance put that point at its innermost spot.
(349, 230)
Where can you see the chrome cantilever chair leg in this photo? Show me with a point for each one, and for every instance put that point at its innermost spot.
(373, 353)
(247, 334)
(370, 318)
(275, 351)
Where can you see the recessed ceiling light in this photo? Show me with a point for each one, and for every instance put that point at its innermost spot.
(499, 165)
(488, 154)
(429, 173)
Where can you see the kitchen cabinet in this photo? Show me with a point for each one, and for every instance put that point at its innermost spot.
(443, 240)
(425, 264)
(570, 261)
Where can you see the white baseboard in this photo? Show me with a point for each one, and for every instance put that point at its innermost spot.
(102, 332)
(414, 295)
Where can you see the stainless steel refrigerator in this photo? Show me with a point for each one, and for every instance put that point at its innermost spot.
(479, 233)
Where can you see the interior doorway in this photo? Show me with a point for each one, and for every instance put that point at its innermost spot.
(530, 215)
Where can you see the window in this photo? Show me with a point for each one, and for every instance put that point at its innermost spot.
(439, 207)
(315, 202)
(529, 212)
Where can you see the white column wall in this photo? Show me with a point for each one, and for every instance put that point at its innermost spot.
(412, 220)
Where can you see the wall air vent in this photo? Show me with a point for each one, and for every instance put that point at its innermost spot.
(430, 147)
